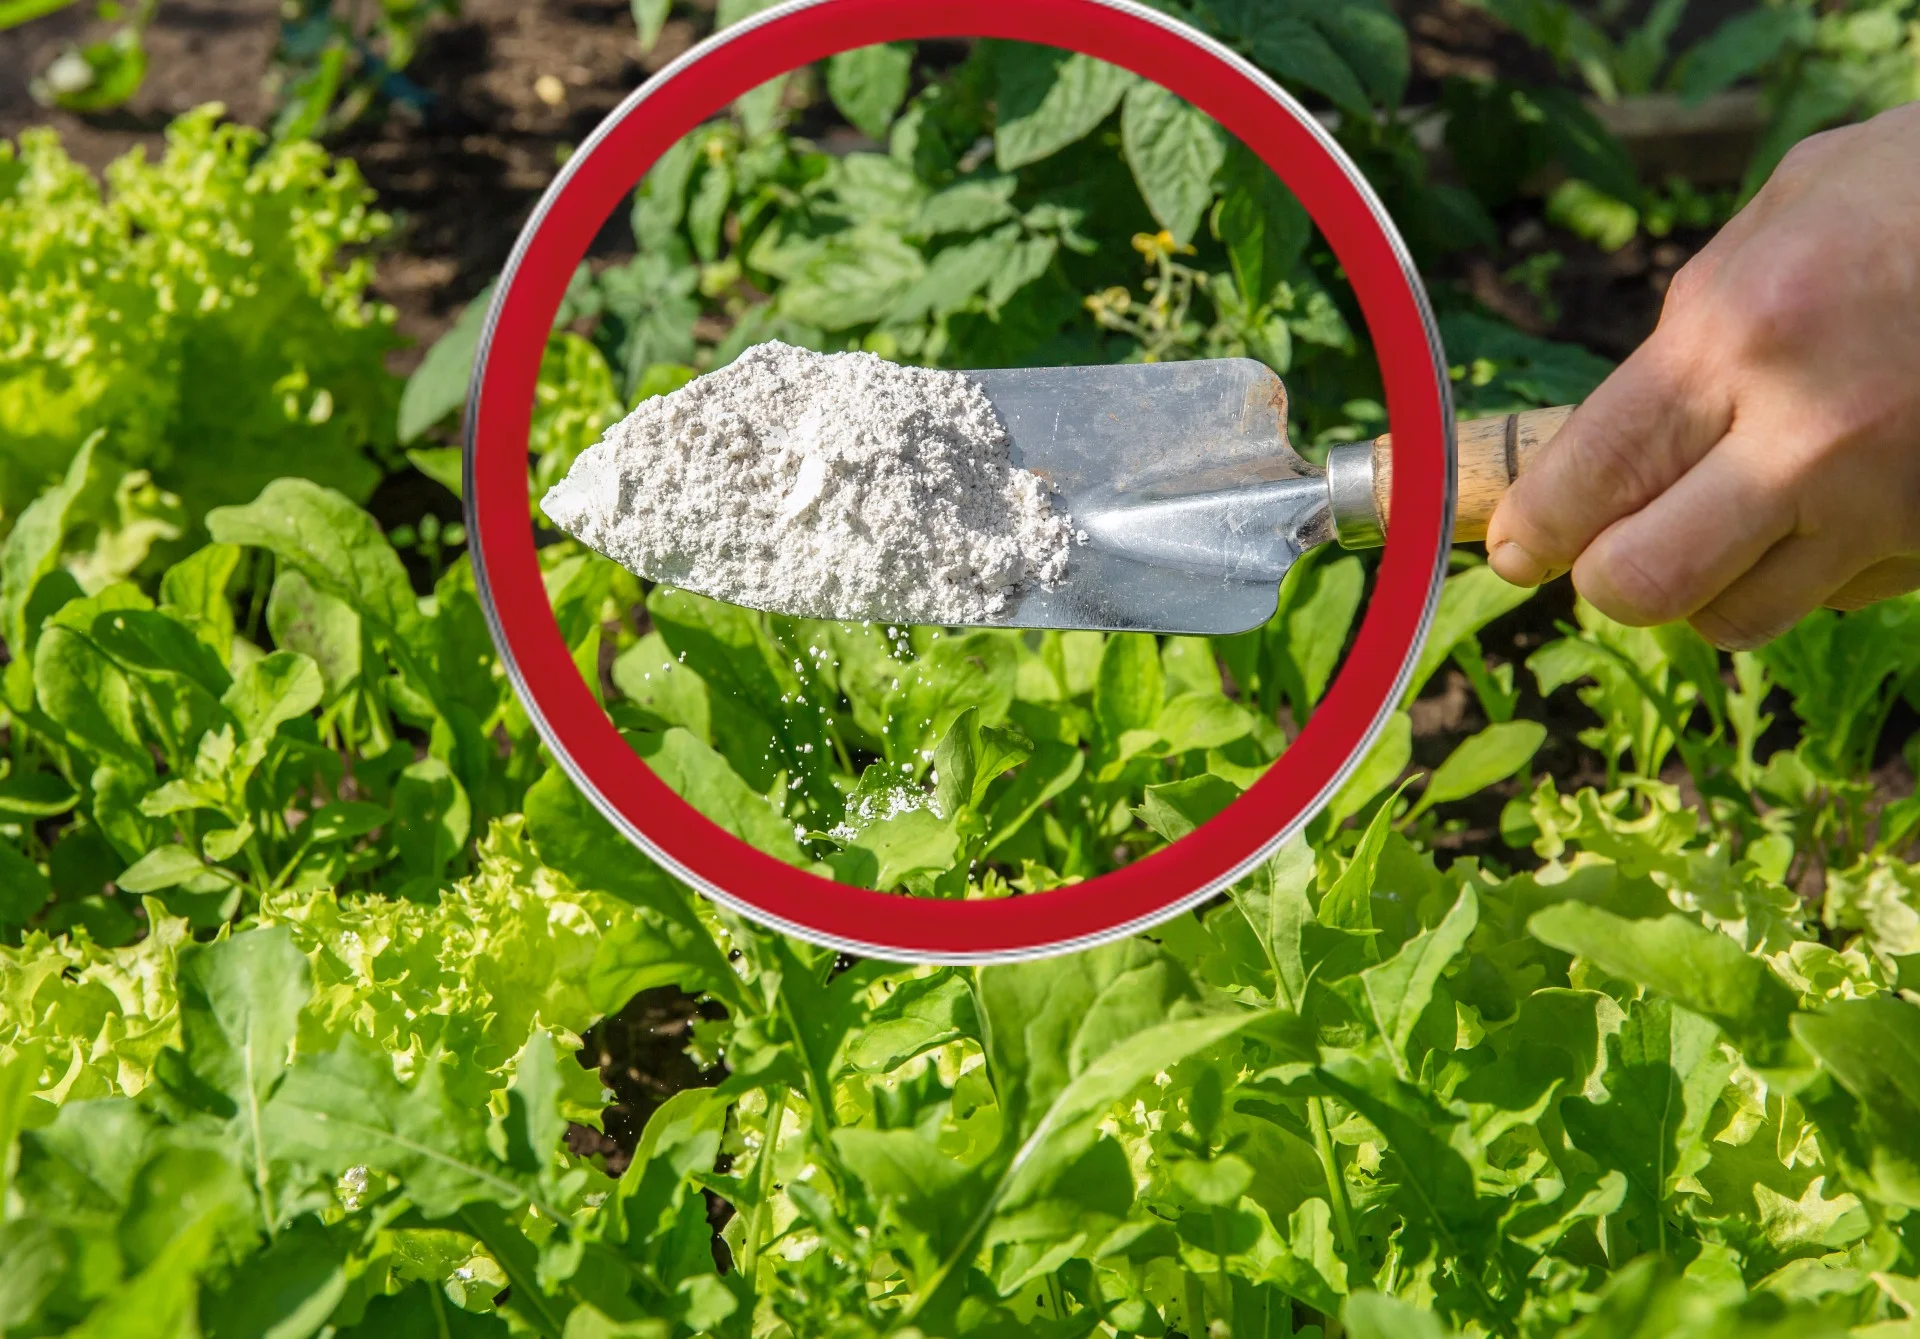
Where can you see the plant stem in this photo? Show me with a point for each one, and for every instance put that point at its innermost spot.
(1056, 1296)
(1336, 1183)
(763, 1179)
(1196, 1298)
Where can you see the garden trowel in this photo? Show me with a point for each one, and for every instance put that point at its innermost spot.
(1192, 501)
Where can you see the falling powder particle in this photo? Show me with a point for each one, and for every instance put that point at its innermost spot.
(827, 485)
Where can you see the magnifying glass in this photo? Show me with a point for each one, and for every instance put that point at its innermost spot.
(600, 177)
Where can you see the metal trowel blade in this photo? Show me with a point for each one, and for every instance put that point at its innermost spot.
(1180, 475)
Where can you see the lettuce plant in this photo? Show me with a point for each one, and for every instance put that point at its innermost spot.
(207, 312)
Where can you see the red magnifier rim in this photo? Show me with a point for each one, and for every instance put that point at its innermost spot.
(601, 174)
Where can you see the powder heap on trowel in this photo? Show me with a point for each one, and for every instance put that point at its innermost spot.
(829, 485)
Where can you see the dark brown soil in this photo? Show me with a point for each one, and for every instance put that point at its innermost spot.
(463, 180)
(1454, 39)
(642, 1058)
(198, 51)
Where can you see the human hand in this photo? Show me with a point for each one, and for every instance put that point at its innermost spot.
(1759, 455)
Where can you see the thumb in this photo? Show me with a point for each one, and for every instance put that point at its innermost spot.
(1644, 427)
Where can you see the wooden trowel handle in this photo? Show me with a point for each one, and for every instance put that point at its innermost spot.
(1491, 453)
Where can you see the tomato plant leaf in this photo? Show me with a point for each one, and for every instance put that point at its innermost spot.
(1263, 226)
(1047, 99)
(869, 83)
(1175, 151)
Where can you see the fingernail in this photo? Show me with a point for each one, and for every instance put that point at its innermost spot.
(1516, 565)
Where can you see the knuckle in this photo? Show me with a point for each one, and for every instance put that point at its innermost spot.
(1808, 156)
(1779, 298)
(1847, 600)
(1728, 632)
(1613, 465)
(1690, 282)
(1628, 590)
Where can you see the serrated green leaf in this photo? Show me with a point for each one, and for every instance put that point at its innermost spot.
(851, 279)
(344, 1108)
(869, 83)
(955, 276)
(1434, 1176)
(968, 206)
(1264, 227)
(1175, 151)
(1047, 99)
(1295, 50)
(1664, 1072)
(574, 838)
(920, 1013)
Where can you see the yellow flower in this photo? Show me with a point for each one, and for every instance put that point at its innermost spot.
(1113, 300)
(1157, 245)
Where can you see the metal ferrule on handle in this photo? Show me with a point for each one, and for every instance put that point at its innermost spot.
(1350, 497)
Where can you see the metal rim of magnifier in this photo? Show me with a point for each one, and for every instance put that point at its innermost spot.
(600, 176)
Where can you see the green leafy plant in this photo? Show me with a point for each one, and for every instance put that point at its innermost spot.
(301, 932)
(220, 265)
(330, 67)
(1816, 66)
(1819, 65)
(98, 75)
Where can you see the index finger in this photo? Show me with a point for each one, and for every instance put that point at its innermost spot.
(1644, 427)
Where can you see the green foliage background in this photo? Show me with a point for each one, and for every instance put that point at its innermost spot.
(302, 929)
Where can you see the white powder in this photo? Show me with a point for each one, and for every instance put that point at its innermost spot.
(826, 485)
